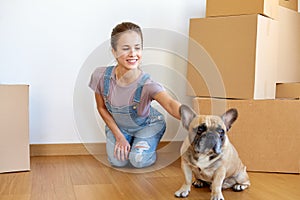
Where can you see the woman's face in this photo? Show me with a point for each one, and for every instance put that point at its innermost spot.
(128, 51)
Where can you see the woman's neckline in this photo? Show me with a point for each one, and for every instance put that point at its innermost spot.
(127, 79)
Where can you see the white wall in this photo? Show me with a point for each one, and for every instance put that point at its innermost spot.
(45, 44)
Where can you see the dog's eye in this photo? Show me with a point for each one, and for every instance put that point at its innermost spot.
(221, 131)
(202, 128)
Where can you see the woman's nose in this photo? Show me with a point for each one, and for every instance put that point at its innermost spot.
(132, 52)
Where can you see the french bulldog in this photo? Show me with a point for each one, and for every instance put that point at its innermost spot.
(208, 155)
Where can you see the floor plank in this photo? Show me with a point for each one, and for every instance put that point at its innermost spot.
(86, 178)
(96, 192)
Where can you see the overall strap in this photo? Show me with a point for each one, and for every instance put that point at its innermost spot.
(107, 76)
(138, 92)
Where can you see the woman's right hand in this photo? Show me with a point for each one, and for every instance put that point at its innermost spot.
(122, 149)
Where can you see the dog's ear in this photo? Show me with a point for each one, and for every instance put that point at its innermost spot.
(187, 115)
(229, 117)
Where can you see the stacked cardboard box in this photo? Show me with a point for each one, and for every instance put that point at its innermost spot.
(14, 128)
(243, 49)
(288, 90)
(248, 48)
(266, 133)
(242, 7)
(291, 4)
(289, 46)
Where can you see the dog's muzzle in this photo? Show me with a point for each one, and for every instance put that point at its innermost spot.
(207, 142)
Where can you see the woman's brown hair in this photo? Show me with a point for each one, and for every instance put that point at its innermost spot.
(123, 27)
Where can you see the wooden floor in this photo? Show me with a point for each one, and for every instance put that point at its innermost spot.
(84, 177)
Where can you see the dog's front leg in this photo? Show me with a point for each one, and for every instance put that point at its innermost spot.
(216, 186)
(186, 187)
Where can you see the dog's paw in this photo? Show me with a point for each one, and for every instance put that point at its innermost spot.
(183, 192)
(217, 197)
(239, 187)
(200, 184)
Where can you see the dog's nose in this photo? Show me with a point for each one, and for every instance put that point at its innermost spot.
(213, 142)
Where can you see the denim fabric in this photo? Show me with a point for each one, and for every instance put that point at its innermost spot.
(142, 133)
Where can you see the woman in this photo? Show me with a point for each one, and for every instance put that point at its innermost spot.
(123, 95)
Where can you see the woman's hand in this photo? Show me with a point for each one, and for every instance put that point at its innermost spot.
(122, 149)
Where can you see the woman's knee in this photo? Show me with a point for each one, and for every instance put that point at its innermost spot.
(142, 155)
(117, 163)
(136, 160)
(142, 160)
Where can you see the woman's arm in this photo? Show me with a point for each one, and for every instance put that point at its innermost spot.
(168, 103)
(122, 147)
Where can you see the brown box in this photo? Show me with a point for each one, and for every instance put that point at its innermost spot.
(291, 4)
(241, 7)
(266, 133)
(288, 90)
(14, 128)
(244, 50)
(289, 43)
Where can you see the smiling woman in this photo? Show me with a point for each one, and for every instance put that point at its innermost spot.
(123, 95)
(128, 53)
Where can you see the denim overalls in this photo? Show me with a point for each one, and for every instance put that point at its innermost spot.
(142, 133)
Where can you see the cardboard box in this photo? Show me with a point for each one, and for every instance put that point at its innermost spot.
(266, 133)
(244, 50)
(291, 4)
(242, 7)
(14, 128)
(288, 90)
(289, 43)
